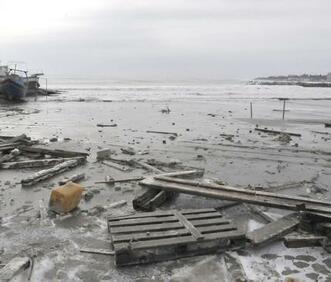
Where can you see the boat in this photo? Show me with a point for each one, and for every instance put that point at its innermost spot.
(13, 86)
(32, 83)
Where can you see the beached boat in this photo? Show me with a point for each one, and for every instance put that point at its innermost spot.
(13, 87)
(32, 83)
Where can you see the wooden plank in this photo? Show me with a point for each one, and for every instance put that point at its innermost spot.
(238, 195)
(97, 251)
(207, 221)
(34, 163)
(215, 214)
(161, 132)
(175, 241)
(16, 139)
(139, 221)
(195, 232)
(148, 167)
(146, 228)
(116, 166)
(302, 241)
(47, 173)
(162, 214)
(241, 190)
(274, 230)
(277, 132)
(55, 152)
(118, 238)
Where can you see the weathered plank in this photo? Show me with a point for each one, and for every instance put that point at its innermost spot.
(47, 173)
(227, 226)
(277, 132)
(179, 240)
(302, 241)
(274, 230)
(194, 231)
(97, 251)
(237, 194)
(116, 166)
(55, 152)
(34, 163)
(13, 267)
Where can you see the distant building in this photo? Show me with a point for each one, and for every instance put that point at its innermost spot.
(328, 77)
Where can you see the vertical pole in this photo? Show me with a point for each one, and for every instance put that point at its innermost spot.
(284, 101)
(251, 106)
(46, 89)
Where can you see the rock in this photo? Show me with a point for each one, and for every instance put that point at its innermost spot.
(301, 264)
(96, 211)
(128, 151)
(88, 195)
(103, 154)
(283, 138)
(291, 279)
(54, 139)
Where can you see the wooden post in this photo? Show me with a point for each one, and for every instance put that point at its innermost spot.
(251, 106)
(284, 102)
(46, 89)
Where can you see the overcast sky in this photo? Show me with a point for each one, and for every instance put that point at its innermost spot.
(168, 39)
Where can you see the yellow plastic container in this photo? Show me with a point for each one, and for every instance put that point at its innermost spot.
(66, 197)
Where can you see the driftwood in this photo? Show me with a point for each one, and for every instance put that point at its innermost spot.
(148, 167)
(106, 125)
(113, 181)
(17, 139)
(35, 163)
(162, 132)
(74, 178)
(47, 173)
(56, 152)
(116, 166)
(12, 155)
(237, 194)
(97, 251)
(277, 132)
(13, 267)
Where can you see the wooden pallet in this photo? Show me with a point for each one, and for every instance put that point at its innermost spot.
(164, 235)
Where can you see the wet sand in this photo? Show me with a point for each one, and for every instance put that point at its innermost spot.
(249, 158)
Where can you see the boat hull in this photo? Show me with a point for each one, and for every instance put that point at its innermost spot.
(13, 89)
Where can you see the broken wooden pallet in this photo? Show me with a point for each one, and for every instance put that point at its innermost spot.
(164, 235)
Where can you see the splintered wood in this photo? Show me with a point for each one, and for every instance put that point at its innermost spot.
(164, 235)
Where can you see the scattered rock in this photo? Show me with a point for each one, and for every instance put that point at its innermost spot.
(300, 264)
(88, 195)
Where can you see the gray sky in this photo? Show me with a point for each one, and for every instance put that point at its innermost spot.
(167, 40)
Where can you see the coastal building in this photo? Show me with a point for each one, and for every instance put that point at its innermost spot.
(328, 77)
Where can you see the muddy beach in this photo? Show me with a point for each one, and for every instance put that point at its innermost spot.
(213, 131)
